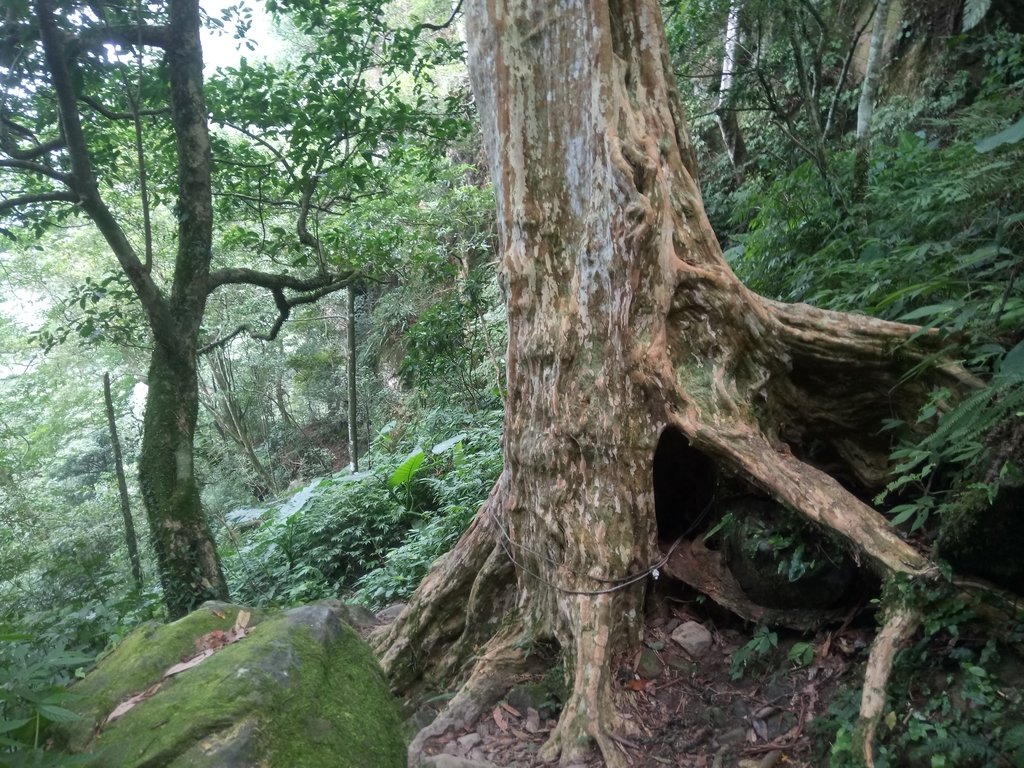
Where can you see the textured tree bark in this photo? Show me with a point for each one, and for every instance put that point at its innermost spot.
(624, 320)
(725, 115)
(184, 548)
(187, 561)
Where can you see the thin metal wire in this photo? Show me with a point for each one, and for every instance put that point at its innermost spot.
(620, 583)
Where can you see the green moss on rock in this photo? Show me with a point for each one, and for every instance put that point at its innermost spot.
(301, 689)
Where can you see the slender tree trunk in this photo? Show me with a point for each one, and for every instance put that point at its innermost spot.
(624, 321)
(122, 487)
(728, 124)
(350, 359)
(866, 105)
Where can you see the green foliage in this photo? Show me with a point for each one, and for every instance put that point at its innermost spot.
(378, 529)
(960, 464)
(32, 696)
(954, 697)
(936, 242)
(756, 652)
(41, 652)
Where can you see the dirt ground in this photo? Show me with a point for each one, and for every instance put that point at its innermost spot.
(689, 710)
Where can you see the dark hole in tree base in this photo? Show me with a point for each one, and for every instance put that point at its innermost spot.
(684, 486)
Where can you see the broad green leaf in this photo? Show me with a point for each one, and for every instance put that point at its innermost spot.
(56, 714)
(405, 471)
(450, 442)
(6, 726)
(974, 12)
(904, 513)
(932, 310)
(1010, 135)
(1013, 363)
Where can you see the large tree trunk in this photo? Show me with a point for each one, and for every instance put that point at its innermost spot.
(725, 114)
(185, 550)
(186, 554)
(625, 320)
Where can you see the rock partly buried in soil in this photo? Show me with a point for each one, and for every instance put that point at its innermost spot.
(296, 688)
(389, 614)
(649, 665)
(693, 638)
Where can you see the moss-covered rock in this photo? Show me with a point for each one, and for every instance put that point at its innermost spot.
(301, 689)
(782, 562)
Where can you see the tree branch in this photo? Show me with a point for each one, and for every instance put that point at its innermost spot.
(274, 280)
(10, 145)
(41, 197)
(438, 27)
(82, 181)
(846, 68)
(128, 35)
(284, 306)
(39, 168)
(111, 114)
(262, 142)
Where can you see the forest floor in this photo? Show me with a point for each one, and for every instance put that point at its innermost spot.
(693, 711)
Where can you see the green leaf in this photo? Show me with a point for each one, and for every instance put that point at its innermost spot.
(932, 310)
(405, 471)
(1013, 363)
(6, 726)
(903, 513)
(974, 12)
(449, 443)
(1010, 135)
(56, 714)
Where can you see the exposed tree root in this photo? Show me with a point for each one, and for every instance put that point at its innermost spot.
(704, 570)
(503, 658)
(807, 489)
(899, 627)
(456, 609)
(589, 713)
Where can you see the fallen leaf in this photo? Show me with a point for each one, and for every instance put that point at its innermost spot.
(500, 720)
(510, 709)
(195, 661)
(219, 614)
(129, 703)
(242, 620)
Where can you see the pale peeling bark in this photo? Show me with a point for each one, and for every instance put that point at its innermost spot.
(624, 319)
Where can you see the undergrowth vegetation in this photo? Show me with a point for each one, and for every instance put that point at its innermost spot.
(370, 534)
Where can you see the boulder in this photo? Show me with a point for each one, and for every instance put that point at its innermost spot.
(285, 689)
